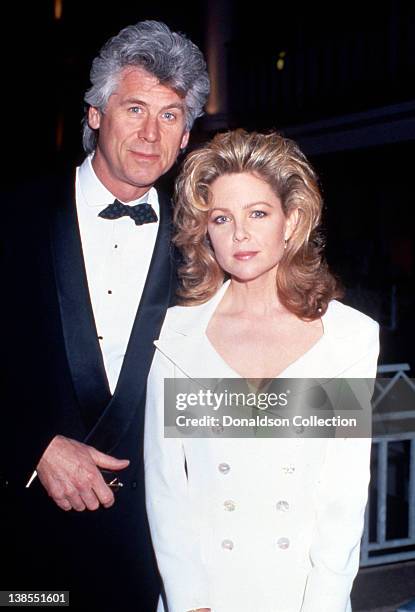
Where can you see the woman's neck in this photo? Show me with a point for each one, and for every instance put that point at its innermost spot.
(258, 297)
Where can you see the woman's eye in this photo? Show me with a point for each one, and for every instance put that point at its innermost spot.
(258, 214)
(220, 219)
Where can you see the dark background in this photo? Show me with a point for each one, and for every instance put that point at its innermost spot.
(346, 93)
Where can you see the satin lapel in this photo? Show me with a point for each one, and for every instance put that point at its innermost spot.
(80, 335)
(131, 387)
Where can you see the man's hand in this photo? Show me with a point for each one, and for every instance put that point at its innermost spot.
(69, 472)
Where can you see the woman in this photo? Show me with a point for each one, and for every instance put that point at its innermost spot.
(251, 525)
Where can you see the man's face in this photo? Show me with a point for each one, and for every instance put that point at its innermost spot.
(140, 134)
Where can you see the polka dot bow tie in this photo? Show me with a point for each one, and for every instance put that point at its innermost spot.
(140, 213)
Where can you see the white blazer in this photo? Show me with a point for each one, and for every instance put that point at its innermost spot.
(256, 525)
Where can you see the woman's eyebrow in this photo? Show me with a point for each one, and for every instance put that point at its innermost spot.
(250, 205)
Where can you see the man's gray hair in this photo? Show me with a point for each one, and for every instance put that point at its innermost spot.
(169, 56)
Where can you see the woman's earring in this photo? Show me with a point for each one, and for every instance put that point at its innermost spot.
(285, 244)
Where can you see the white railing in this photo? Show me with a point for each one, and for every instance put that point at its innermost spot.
(395, 424)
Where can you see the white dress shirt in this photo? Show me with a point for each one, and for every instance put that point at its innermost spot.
(117, 255)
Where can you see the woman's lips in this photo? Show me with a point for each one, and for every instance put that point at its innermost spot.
(245, 255)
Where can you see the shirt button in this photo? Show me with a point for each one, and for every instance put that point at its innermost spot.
(288, 469)
(109, 291)
(282, 506)
(134, 484)
(224, 468)
(227, 544)
(283, 543)
(229, 505)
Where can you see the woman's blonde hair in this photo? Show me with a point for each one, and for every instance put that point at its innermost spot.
(305, 285)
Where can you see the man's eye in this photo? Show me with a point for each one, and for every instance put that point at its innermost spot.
(169, 116)
(135, 109)
(258, 214)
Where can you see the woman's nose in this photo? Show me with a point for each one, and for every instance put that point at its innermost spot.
(240, 232)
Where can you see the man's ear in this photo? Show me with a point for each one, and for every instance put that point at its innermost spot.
(94, 118)
(185, 140)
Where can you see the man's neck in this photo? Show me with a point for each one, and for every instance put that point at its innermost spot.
(119, 189)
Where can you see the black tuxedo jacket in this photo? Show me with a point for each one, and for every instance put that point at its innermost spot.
(55, 383)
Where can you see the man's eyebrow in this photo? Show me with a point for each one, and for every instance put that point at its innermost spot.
(177, 105)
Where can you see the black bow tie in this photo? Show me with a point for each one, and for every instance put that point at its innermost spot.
(140, 213)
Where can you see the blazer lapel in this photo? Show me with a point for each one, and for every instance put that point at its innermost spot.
(184, 342)
(80, 335)
(131, 387)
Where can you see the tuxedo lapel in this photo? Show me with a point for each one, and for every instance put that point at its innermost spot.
(131, 387)
(81, 338)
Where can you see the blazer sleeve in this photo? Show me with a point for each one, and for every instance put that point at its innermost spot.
(174, 534)
(341, 498)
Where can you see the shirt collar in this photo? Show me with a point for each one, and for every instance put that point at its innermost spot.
(96, 195)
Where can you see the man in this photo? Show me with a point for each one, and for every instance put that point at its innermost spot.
(89, 277)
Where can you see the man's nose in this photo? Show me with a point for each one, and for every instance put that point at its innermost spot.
(150, 129)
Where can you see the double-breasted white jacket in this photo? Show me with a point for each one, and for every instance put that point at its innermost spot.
(256, 525)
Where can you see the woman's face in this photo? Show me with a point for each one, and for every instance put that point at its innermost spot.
(247, 226)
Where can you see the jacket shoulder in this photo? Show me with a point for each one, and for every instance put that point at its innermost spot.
(33, 198)
(348, 321)
(180, 317)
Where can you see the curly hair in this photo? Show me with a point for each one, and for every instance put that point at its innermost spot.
(169, 56)
(304, 283)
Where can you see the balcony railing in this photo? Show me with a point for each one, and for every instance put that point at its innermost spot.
(389, 533)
